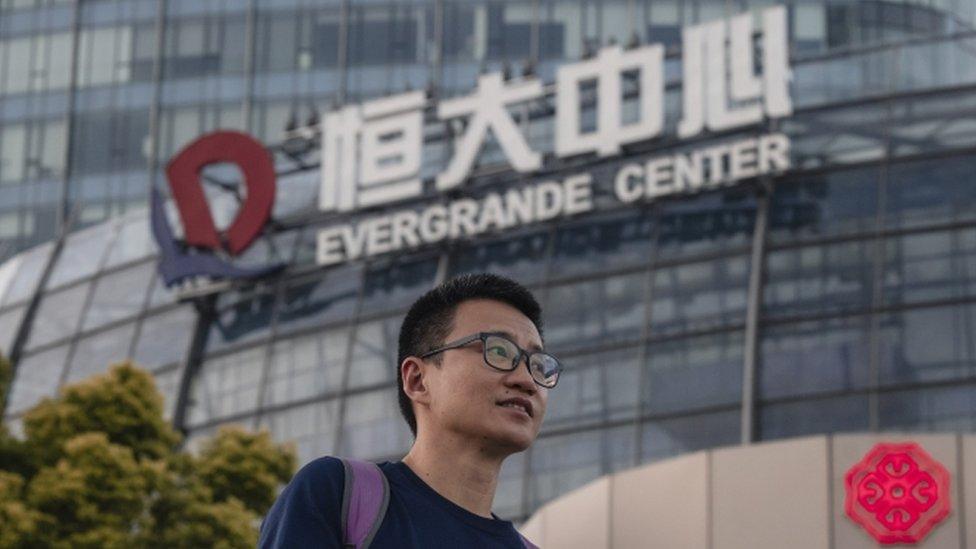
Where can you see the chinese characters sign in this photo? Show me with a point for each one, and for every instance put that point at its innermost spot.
(373, 153)
(898, 493)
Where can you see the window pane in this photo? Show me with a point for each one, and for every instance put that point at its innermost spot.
(32, 265)
(619, 242)
(935, 344)
(559, 464)
(670, 437)
(930, 266)
(938, 409)
(243, 321)
(331, 296)
(82, 254)
(809, 417)
(226, 385)
(921, 193)
(94, 354)
(823, 205)
(164, 338)
(595, 312)
(374, 428)
(699, 372)
(118, 295)
(306, 366)
(37, 377)
(700, 296)
(375, 352)
(388, 287)
(815, 356)
(705, 223)
(521, 257)
(134, 241)
(826, 279)
(13, 150)
(312, 428)
(9, 325)
(595, 388)
(57, 317)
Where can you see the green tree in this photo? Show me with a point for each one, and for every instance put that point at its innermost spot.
(105, 471)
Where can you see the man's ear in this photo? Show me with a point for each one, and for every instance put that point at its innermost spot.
(415, 380)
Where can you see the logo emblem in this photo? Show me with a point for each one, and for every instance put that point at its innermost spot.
(195, 256)
(898, 493)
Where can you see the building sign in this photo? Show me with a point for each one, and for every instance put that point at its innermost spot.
(898, 493)
(203, 245)
(372, 153)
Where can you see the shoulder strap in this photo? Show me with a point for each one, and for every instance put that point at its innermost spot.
(365, 496)
(528, 544)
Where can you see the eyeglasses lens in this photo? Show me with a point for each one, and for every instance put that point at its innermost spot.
(500, 352)
(544, 368)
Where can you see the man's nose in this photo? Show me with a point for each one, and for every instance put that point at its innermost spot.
(520, 377)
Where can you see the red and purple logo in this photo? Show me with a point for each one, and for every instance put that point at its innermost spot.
(898, 493)
(197, 254)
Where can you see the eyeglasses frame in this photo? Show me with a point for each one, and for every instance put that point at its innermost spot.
(483, 336)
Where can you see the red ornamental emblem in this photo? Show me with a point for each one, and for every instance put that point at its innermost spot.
(898, 493)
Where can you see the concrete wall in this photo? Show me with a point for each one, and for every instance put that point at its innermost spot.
(784, 494)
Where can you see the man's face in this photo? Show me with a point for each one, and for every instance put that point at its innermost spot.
(471, 399)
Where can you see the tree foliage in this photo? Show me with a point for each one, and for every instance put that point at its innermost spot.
(99, 466)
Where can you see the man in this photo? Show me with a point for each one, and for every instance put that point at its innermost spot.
(473, 385)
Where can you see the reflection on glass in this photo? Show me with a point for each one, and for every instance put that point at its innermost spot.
(320, 298)
(809, 417)
(705, 223)
(597, 311)
(32, 264)
(815, 356)
(693, 373)
(226, 385)
(243, 321)
(930, 266)
(118, 295)
(699, 296)
(619, 242)
(924, 345)
(831, 278)
(82, 254)
(37, 377)
(165, 337)
(936, 409)
(828, 204)
(375, 352)
(559, 464)
(388, 286)
(94, 354)
(9, 325)
(374, 428)
(595, 387)
(521, 257)
(931, 191)
(311, 427)
(168, 383)
(306, 366)
(670, 437)
(57, 317)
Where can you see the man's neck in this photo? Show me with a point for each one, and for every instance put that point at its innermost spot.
(465, 475)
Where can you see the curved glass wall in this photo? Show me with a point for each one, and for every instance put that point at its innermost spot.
(864, 299)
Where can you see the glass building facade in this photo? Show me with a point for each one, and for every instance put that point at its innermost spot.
(839, 296)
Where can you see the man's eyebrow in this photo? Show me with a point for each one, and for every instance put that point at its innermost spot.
(532, 347)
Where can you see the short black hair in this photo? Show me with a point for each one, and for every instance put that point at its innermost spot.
(431, 318)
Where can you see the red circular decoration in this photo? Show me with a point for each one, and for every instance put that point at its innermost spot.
(898, 493)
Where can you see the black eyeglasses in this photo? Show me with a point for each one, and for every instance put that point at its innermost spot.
(503, 354)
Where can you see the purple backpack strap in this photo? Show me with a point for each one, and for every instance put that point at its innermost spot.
(365, 497)
(528, 544)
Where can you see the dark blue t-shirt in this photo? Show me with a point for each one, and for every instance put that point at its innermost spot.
(307, 514)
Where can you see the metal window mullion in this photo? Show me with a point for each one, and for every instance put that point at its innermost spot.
(343, 51)
(642, 350)
(154, 104)
(749, 424)
(247, 103)
(63, 209)
(350, 347)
